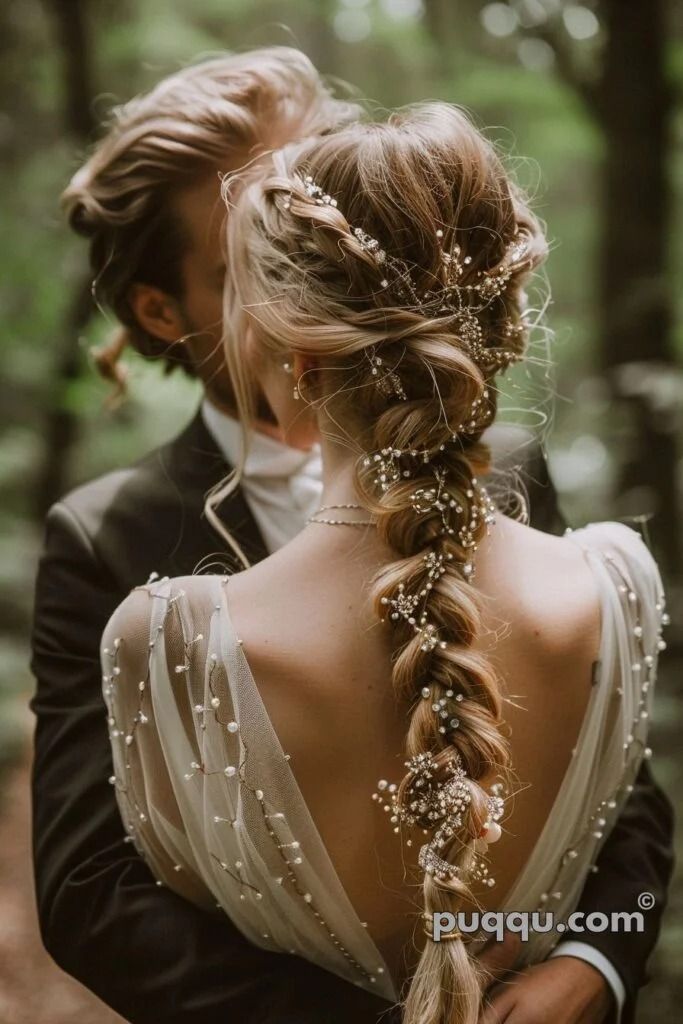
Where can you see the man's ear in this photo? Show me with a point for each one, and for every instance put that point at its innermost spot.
(156, 312)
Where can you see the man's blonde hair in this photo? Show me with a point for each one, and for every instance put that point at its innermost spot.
(218, 113)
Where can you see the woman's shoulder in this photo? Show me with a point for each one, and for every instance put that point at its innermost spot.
(566, 577)
(625, 549)
(612, 541)
(162, 604)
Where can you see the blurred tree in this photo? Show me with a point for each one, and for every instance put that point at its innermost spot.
(634, 106)
(626, 91)
(321, 40)
(446, 22)
(61, 428)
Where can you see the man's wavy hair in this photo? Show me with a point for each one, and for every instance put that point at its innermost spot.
(216, 114)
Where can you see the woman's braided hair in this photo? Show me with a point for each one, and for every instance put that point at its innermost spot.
(425, 188)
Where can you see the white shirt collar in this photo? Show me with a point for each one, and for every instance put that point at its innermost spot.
(267, 457)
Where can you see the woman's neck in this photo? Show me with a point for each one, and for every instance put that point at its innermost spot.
(338, 473)
(339, 461)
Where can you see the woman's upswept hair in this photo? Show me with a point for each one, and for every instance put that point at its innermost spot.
(303, 281)
(216, 114)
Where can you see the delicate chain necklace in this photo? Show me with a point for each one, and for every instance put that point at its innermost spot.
(339, 522)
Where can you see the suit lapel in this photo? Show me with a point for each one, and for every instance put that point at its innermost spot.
(196, 465)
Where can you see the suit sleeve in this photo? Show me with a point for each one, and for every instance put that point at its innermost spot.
(146, 952)
(544, 509)
(637, 857)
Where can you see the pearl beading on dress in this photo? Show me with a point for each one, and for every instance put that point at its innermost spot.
(274, 820)
(115, 730)
(287, 847)
(644, 666)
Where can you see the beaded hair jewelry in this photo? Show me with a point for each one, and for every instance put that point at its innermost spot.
(388, 381)
(462, 302)
(436, 799)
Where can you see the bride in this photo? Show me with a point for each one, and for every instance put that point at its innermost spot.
(420, 706)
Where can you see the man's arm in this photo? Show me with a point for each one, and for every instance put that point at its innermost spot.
(146, 952)
(636, 858)
(567, 988)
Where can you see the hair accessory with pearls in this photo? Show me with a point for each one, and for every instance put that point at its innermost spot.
(388, 381)
(390, 465)
(450, 297)
(404, 605)
(435, 797)
(436, 793)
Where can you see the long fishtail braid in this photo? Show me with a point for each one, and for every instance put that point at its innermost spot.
(431, 509)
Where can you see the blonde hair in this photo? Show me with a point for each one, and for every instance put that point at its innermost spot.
(303, 282)
(216, 114)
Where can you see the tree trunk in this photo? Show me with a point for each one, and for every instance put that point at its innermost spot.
(61, 427)
(634, 107)
(454, 28)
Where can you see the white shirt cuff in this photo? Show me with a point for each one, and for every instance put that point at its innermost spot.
(592, 956)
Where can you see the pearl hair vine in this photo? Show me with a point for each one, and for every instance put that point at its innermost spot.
(436, 799)
(462, 302)
(459, 518)
(388, 382)
(440, 803)
(404, 604)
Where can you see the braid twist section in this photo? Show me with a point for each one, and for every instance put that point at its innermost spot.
(454, 694)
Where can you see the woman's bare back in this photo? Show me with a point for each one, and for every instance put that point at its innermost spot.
(323, 669)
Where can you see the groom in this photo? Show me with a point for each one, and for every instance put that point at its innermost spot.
(148, 199)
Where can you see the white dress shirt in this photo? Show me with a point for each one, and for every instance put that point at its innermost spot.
(283, 487)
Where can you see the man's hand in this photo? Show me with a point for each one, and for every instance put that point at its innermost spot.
(563, 990)
(498, 958)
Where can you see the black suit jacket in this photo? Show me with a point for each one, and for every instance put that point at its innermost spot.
(147, 953)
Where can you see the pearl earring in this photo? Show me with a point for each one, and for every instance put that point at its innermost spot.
(287, 367)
